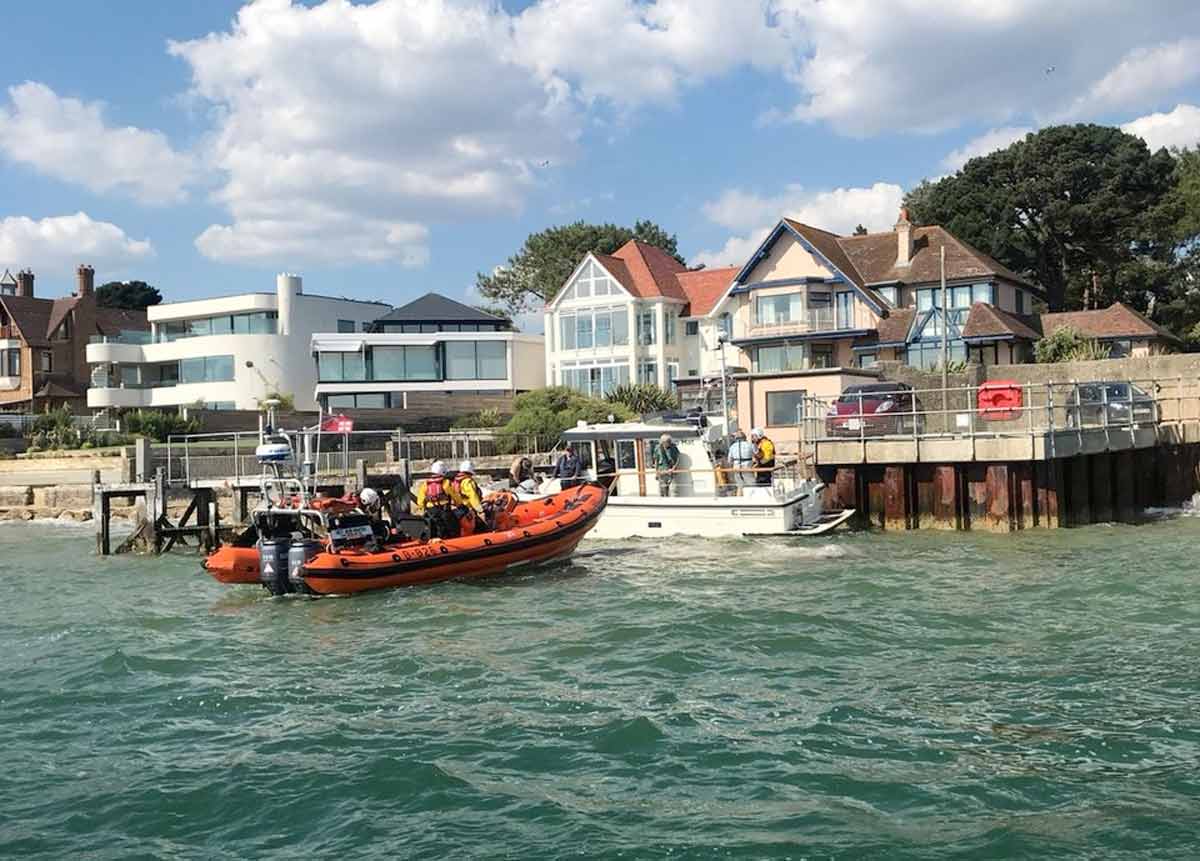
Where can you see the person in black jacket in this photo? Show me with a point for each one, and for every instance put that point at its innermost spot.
(569, 470)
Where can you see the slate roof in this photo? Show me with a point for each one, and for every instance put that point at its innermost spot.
(436, 308)
(894, 327)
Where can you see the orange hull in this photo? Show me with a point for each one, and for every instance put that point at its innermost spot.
(538, 531)
(233, 564)
(543, 530)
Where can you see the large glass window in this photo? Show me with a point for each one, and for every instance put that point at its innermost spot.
(460, 360)
(604, 329)
(421, 363)
(777, 310)
(888, 294)
(783, 407)
(583, 332)
(476, 360)
(983, 293)
(11, 360)
(258, 323)
(845, 310)
(222, 325)
(648, 373)
(341, 367)
(669, 325)
(566, 324)
(647, 329)
(620, 327)
(782, 357)
(387, 363)
(928, 355)
(206, 369)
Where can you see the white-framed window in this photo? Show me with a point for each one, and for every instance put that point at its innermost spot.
(45, 361)
(647, 328)
(777, 310)
(648, 372)
(672, 373)
(691, 327)
(595, 380)
(591, 281)
(584, 329)
(669, 325)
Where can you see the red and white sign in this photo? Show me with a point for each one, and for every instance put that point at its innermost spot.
(337, 424)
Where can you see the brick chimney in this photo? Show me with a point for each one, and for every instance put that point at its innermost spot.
(25, 283)
(86, 278)
(904, 243)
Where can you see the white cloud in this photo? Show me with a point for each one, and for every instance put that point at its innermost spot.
(932, 65)
(839, 210)
(988, 142)
(629, 53)
(1177, 128)
(1144, 73)
(60, 242)
(69, 140)
(344, 130)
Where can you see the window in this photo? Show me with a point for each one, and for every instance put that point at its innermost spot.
(845, 310)
(11, 362)
(626, 454)
(1120, 349)
(341, 367)
(868, 360)
(669, 325)
(784, 357)
(220, 405)
(672, 373)
(591, 281)
(620, 327)
(725, 325)
(164, 375)
(603, 329)
(206, 369)
(130, 376)
(693, 372)
(45, 361)
(345, 325)
(222, 325)
(595, 380)
(888, 294)
(566, 323)
(647, 333)
(648, 372)
(928, 355)
(821, 356)
(691, 327)
(783, 407)
(476, 360)
(983, 293)
(778, 310)
(583, 332)
(1020, 294)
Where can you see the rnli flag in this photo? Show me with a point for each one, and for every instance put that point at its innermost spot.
(337, 424)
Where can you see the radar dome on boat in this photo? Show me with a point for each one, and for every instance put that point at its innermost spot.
(273, 452)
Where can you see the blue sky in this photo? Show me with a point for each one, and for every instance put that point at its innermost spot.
(387, 149)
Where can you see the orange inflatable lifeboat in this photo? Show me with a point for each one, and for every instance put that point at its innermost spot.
(525, 533)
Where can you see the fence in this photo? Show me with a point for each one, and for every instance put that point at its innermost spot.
(218, 456)
(894, 412)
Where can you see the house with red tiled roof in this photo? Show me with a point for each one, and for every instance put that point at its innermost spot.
(43, 342)
(636, 315)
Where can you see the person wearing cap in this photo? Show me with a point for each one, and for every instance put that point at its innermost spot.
(741, 459)
(764, 457)
(666, 460)
(569, 469)
(470, 507)
(436, 501)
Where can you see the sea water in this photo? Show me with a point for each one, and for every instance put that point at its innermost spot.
(920, 695)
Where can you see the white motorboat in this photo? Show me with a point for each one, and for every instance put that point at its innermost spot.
(704, 498)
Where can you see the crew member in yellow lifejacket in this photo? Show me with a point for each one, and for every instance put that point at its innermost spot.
(436, 500)
(470, 501)
(764, 457)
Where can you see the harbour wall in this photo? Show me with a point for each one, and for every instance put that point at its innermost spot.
(1118, 486)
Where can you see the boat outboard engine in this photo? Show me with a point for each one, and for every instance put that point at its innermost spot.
(301, 550)
(273, 564)
(811, 506)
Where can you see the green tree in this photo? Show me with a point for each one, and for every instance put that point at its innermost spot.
(1080, 209)
(130, 295)
(546, 413)
(537, 271)
(1068, 344)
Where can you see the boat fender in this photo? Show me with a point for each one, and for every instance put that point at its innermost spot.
(396, 557)
(487, 542)
(444, 549)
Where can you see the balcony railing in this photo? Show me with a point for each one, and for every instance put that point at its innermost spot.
(123, 338)
(822, 320)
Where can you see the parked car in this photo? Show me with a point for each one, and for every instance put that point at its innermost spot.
(875, 409)
(1109, 404)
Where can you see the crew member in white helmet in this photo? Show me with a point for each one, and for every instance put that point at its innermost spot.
(470, 502)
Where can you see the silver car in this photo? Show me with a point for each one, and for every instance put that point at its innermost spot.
(1110, 404)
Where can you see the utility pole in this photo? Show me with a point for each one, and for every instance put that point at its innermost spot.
(945, 337)
(724, 385)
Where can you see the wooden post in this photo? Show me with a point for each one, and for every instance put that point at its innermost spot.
(156, 507)
(1079, 490)
(1125, 500)
(925, 494)
(976, 507)
(1024, 495)
(895, 498)
(946, 503)
(998, 499)
(1102, 487)
(1048, 475)
(98, 512)
(874, 497)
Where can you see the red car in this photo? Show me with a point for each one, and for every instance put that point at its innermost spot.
(875, 409)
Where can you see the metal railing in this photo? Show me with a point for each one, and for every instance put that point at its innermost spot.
(810, 321)
(1049, 410)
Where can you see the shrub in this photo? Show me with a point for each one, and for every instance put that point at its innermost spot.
(1068, 344)
(157, 425)
(643, 398)
(481, 419)
(546, 413)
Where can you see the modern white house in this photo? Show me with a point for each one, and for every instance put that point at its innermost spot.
(225, 353)
(433, 347)
(636, 315)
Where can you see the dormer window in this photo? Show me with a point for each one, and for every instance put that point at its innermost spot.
(63, 332)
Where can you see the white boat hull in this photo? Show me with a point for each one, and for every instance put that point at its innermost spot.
(725, 517)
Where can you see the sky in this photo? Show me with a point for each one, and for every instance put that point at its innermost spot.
(386, 149)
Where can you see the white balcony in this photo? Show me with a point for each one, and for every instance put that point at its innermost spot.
(114, 351)
(101, 398)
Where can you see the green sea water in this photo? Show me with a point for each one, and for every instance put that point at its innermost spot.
(865, 696)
